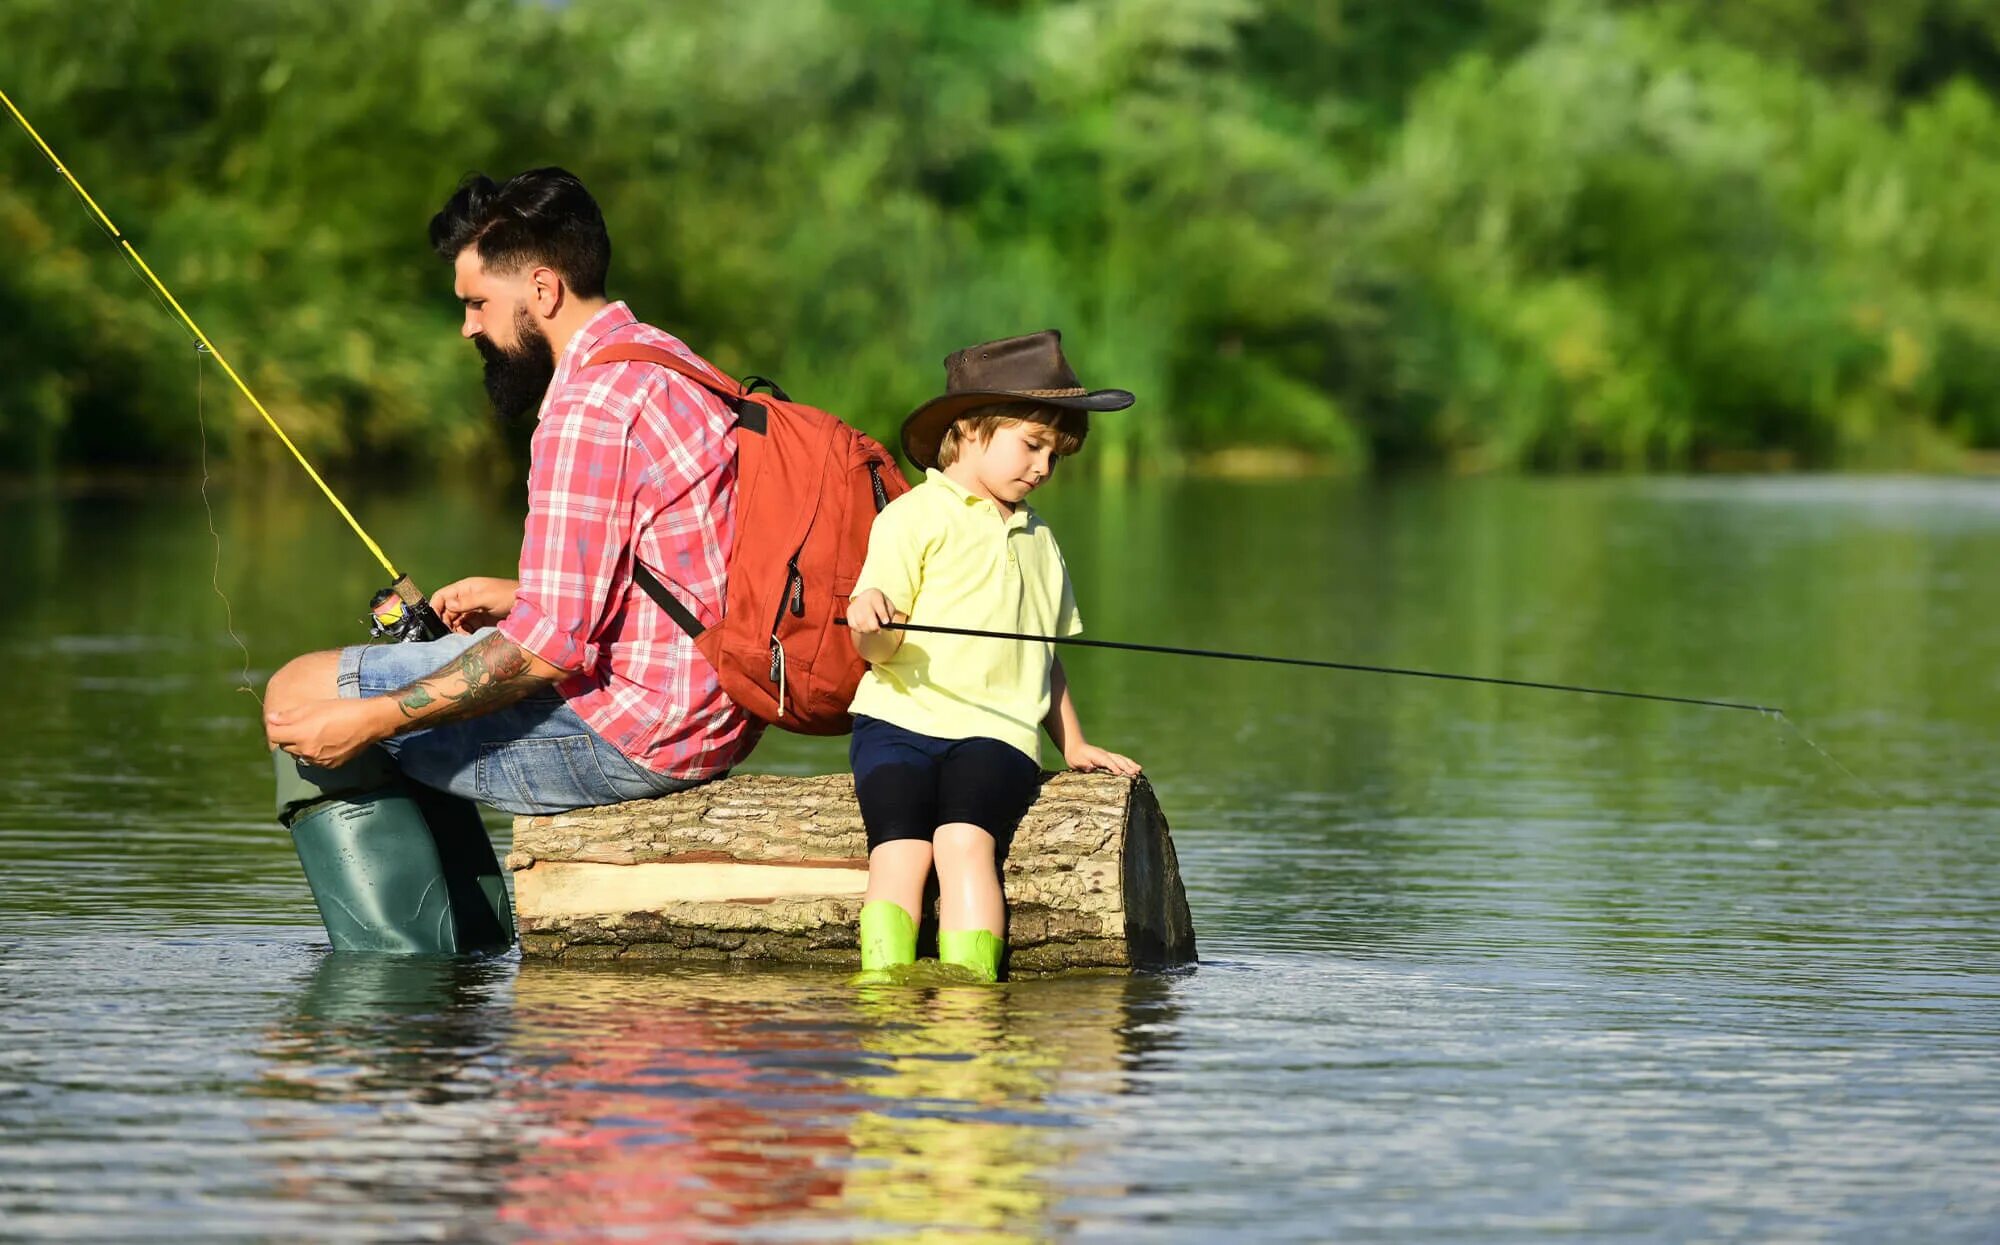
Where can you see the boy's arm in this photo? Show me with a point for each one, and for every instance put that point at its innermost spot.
(867, 613)
(1066, 730)
(886, 589)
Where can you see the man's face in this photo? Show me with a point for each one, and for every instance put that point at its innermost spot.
(501, 323)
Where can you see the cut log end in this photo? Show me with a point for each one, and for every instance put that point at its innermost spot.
(773, 868)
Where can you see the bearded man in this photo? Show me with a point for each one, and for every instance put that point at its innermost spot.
(564, 686)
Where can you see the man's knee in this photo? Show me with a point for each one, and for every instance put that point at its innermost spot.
(313, 676)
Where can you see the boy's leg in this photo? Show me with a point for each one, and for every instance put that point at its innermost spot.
(895, 782)
(972, 915)
(968, 880)
(889, 910)
(985, 788)
(897, 872)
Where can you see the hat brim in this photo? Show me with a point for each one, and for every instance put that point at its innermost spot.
(924, 430)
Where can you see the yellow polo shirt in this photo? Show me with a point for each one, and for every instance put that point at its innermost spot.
(948, 558)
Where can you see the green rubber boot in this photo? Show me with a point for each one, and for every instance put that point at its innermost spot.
(888, 940)
(977, 951)
(393, 865)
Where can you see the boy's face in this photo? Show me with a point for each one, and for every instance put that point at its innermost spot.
(1013, 461)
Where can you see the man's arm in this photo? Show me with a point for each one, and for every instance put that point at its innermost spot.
(491, 674)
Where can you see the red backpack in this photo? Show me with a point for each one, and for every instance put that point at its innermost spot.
(808, 487)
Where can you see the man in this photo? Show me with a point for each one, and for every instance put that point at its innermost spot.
(568, 686)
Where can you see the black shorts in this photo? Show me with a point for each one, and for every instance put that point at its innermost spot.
(910, 784)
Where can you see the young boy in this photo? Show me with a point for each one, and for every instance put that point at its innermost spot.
(945, 749)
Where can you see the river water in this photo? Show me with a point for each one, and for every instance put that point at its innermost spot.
(1477, 964)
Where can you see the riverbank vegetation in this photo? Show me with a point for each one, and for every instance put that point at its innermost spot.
(1482, 234)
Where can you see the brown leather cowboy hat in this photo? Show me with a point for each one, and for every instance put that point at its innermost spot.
(1014, 369)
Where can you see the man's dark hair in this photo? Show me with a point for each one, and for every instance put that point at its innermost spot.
(542, 216)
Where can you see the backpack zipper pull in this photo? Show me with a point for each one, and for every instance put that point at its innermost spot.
(778, 672)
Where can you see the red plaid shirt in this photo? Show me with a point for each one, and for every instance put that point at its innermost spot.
(629, 459)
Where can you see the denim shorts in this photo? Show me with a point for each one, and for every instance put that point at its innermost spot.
(533, 756)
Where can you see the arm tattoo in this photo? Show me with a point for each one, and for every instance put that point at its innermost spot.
(491, 674)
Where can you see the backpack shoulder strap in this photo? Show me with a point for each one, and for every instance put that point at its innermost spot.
(701, 372)
(709, 377)
(749, 413)
(682, 616)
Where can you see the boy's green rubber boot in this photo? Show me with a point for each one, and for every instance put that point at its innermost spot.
(888, 940)
(975, 950)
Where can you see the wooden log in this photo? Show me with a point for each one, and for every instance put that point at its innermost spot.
(773, 868)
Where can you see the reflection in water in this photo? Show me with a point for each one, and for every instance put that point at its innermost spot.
(650, 1103)
(960, 1136)
(672, 1105)
(367, 1027)
(408, 1046)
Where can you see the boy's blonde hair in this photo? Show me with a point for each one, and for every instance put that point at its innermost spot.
(1067, 427)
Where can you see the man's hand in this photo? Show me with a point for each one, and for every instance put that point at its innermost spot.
(1092, 759)
(480, 601)
(330, 733)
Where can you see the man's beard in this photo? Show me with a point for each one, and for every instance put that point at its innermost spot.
(517, 378)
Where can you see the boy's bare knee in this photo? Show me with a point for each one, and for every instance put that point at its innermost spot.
(312, 676)
(901, 860)
(961, 844)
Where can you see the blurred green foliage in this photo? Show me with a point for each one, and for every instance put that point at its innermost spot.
(1480, 233)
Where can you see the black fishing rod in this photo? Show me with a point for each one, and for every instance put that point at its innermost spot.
(1769, 711)
(400, 610)
(1218, 655)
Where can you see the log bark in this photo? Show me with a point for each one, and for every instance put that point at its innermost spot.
(773, 868)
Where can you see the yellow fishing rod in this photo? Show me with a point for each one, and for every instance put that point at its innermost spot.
(399, 610)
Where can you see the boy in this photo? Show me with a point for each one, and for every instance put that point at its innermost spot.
(945, 750)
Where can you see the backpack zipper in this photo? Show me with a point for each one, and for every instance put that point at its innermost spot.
(794, 600)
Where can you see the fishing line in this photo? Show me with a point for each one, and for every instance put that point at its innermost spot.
(215, 571)
(1768, 711)
(165, 296)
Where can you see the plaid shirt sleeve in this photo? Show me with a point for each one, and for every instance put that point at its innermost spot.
(580, 515)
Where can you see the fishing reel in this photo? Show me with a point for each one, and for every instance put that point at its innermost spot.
(400, 613)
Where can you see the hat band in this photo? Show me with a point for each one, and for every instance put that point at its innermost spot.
(1051, 393)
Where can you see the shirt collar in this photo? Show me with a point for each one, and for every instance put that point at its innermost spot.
(1022, 511)
(583, 343)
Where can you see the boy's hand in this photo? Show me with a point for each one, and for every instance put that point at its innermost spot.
(1092, 759)
(868, 612)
